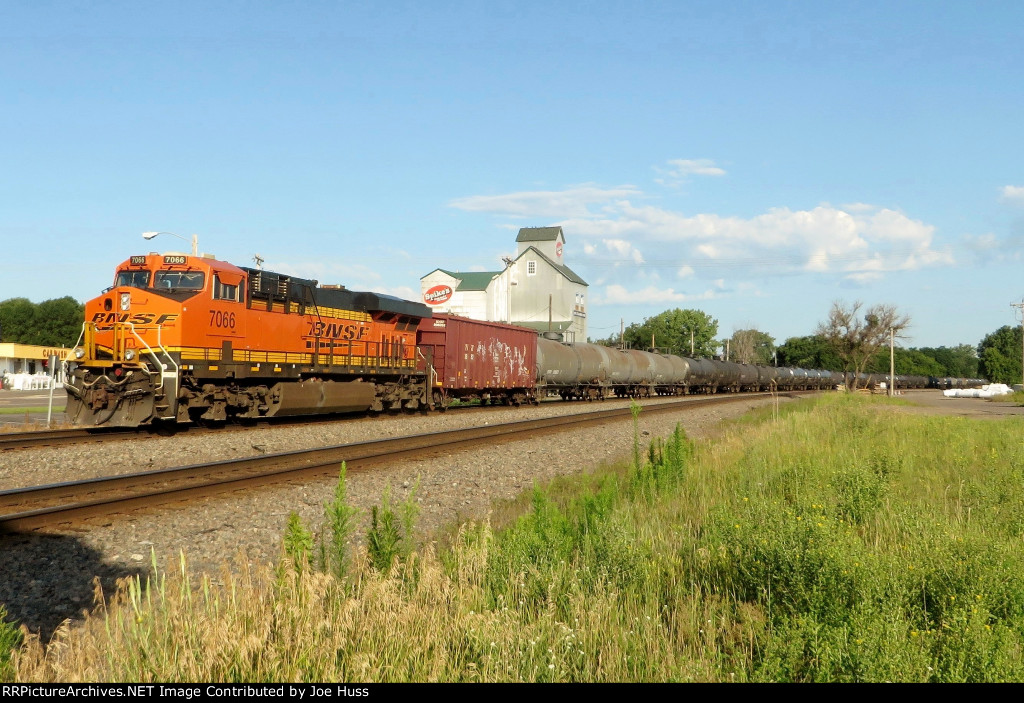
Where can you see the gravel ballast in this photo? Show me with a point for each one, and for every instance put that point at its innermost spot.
(47, 578)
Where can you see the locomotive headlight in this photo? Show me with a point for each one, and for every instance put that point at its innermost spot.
(79, 353)
(129, 354)
(126, 300)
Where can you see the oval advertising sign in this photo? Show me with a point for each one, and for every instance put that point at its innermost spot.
(558, 250)
(437, 295)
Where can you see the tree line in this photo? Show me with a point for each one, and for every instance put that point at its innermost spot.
(852, 338)
(51, 323)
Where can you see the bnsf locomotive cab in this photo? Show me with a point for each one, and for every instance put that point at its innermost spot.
(181, 338)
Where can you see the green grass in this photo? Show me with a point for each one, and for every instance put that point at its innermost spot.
(10, 640)
(22, 411)
(1017, 398)
(834, 540)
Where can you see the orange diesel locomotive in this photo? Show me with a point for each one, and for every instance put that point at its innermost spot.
(184, 338)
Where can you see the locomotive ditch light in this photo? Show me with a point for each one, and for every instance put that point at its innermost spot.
(129, 354)
(79, 353)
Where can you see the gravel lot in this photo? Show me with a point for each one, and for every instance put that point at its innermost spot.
(47, 578)
(932, 402)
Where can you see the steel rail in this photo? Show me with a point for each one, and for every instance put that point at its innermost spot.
(32, 508)
(85, 435)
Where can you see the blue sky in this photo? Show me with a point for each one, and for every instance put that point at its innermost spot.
(753, 160)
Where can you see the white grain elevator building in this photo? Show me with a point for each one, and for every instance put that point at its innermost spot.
(535, 289)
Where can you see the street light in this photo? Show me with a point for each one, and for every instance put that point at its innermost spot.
(195, 239)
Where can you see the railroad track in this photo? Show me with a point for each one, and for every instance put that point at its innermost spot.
(11, 441)
(52, 438)
(33, 508)
(55, 438)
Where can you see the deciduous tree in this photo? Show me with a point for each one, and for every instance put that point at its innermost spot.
(752, 347)
(960, 361)
(56, 322)
(856, 334)
(671, 331)
(811, 352)
(1000, 354)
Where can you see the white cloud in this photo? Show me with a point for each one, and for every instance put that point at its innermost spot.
(619, 295)
(857, 207)
(1013, 194)
(624, 249)
(572, 202)
(358, 277)
(864, 277)
(616, 224)
(680, 170)
(821, 240)
(404, 292)
(989, 248)
(981, 242)
(329, 272)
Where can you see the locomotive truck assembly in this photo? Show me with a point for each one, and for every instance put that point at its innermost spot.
(184, 339)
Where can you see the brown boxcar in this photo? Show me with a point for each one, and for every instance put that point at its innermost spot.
(473, 359)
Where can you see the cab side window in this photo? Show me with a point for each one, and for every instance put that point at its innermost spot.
(225, 291)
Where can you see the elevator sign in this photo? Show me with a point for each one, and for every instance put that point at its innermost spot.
(437, 295)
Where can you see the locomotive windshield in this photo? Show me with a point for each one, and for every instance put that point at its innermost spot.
(189, 280)
(135, 279)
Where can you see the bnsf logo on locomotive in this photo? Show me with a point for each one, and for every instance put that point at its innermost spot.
(336, 330)
(139, 318)
(437, 295)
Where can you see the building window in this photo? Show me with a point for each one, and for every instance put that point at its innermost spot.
(531, 268)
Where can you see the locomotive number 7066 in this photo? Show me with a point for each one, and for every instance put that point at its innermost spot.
(224, 320)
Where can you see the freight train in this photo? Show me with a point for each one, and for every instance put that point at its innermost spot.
(183, 339)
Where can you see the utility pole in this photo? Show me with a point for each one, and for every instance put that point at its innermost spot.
(622, 329)
(892, 366)
(508, 288)
(1020, 314)
(691, 342)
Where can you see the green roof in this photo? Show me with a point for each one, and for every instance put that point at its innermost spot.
(473, 280)
(542, 325)
(539, 234)
(564, 270)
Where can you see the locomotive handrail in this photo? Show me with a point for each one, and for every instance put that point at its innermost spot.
(164, 371)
